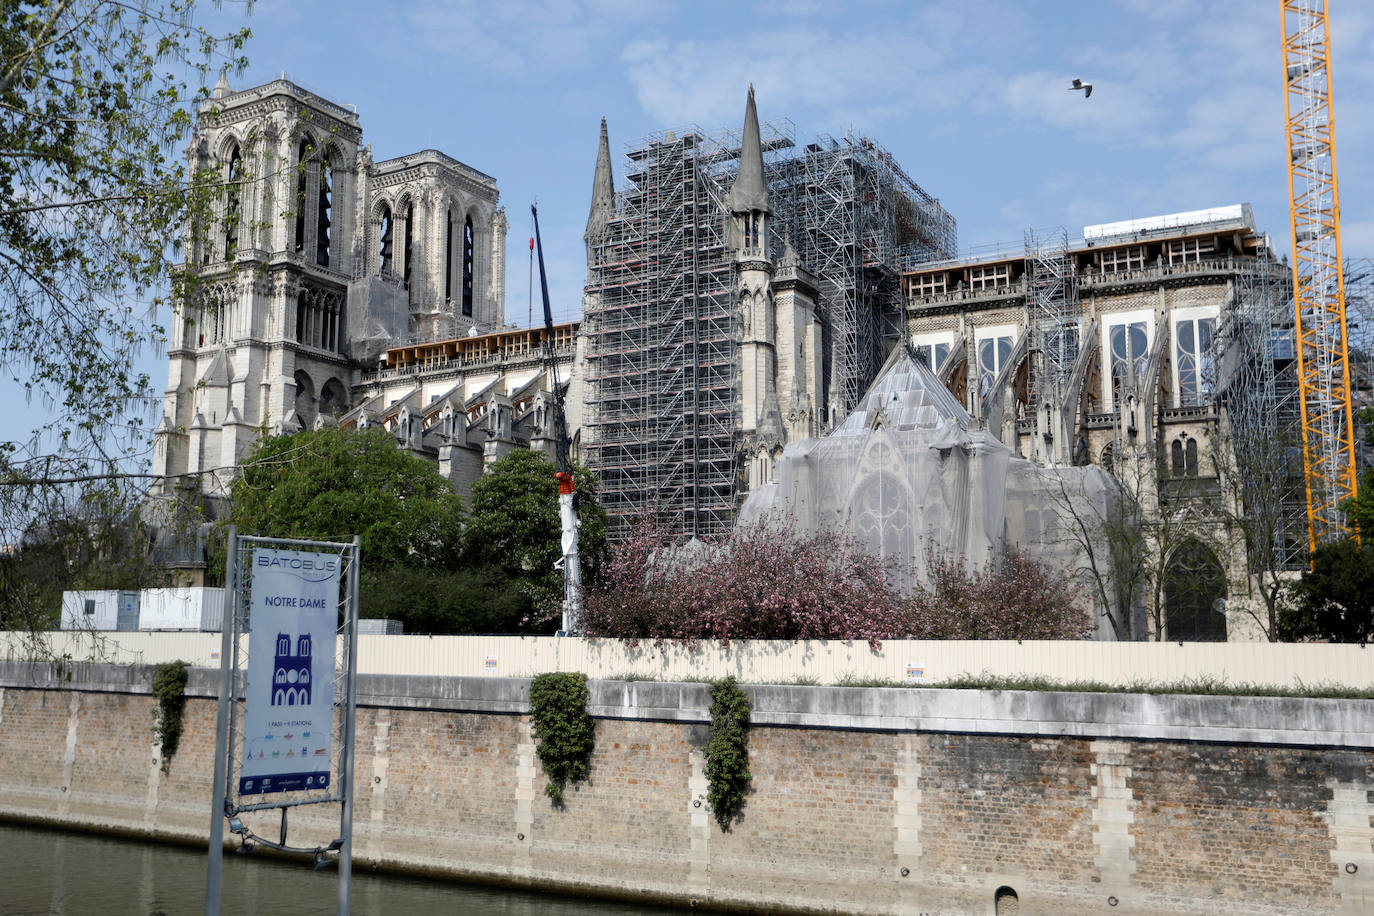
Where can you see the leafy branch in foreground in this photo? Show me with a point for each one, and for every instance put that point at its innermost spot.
(93, 199)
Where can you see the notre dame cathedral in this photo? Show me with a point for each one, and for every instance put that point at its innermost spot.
(318, 262)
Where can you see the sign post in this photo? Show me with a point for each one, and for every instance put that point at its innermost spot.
(290, 742)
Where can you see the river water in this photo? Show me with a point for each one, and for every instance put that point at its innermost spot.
(55, 873)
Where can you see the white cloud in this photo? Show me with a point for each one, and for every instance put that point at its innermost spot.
(528, 38)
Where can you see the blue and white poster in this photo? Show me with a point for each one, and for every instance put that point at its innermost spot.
(289, 702)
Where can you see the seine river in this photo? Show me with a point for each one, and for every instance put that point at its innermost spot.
(55, 873)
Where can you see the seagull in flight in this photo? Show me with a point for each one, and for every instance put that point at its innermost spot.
(1086, 87)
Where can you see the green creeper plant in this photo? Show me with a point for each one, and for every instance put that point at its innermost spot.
(169, 689)
(727, 751)
(563, 729)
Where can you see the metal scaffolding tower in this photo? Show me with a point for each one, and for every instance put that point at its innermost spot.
(857, 220)
(1359, 317)
(1253, 377)
(663, 343)
(1052, 297)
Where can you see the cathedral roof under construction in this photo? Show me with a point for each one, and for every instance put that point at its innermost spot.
(905, 395)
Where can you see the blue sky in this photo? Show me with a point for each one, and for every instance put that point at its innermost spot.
(971, 98)
(1187, 109)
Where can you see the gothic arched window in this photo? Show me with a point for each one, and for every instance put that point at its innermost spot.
(386, 230)
(881, 506)
(324, 212)
(302, 164)
(448, 258)
(408, 249)
(232, 176)
(1195, 595)
(468, 251)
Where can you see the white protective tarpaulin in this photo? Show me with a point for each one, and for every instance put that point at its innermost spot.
(905, 474)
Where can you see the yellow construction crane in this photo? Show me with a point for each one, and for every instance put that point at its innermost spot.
(1328, 435)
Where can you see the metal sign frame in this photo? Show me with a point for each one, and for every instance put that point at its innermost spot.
(228, 802)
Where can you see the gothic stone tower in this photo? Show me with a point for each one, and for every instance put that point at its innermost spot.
(316, 261)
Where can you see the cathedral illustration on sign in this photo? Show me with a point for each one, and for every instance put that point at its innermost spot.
(291, 673)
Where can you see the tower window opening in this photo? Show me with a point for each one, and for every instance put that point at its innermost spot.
(448, 258)
(408, 248)
(468, 251)
(302, 164)
(324, 213)
(386, 266)
(1183, 457)
(232, 177)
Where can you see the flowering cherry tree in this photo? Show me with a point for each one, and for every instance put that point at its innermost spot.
(767, 581)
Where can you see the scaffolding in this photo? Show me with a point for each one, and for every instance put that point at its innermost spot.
(1255, 382)
(857, 221)
(1052, 298)
(663, 411)
(1359, 316)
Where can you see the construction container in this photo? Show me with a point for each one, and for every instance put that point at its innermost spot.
(99, 609)
(186, 608)
(380, 626)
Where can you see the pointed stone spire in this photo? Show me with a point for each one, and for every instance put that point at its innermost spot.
(790, 258)
(603, 188)
(749, 192)
(221, 86)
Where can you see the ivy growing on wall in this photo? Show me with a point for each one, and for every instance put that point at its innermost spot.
(169, 689)
(563, 729)
(727, 751)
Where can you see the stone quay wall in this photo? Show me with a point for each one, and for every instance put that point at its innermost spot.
(864, 800)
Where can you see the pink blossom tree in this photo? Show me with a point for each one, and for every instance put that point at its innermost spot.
(767, 581)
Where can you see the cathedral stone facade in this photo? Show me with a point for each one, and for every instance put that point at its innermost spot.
(335, 290)
(320, 275)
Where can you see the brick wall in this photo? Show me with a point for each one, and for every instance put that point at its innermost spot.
(863, 801)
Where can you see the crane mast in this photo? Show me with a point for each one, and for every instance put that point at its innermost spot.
(1328, 437)
(569, 562)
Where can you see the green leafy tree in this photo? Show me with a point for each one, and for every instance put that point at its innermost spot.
(330, 484)
(514, 527)
(477, 600)
(563, 731)
(1334, 599)
(1361, 509)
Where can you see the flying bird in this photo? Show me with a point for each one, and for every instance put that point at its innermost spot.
(1086, 87)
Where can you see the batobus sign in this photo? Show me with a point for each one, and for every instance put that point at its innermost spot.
(297, 601)
(289, 697)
